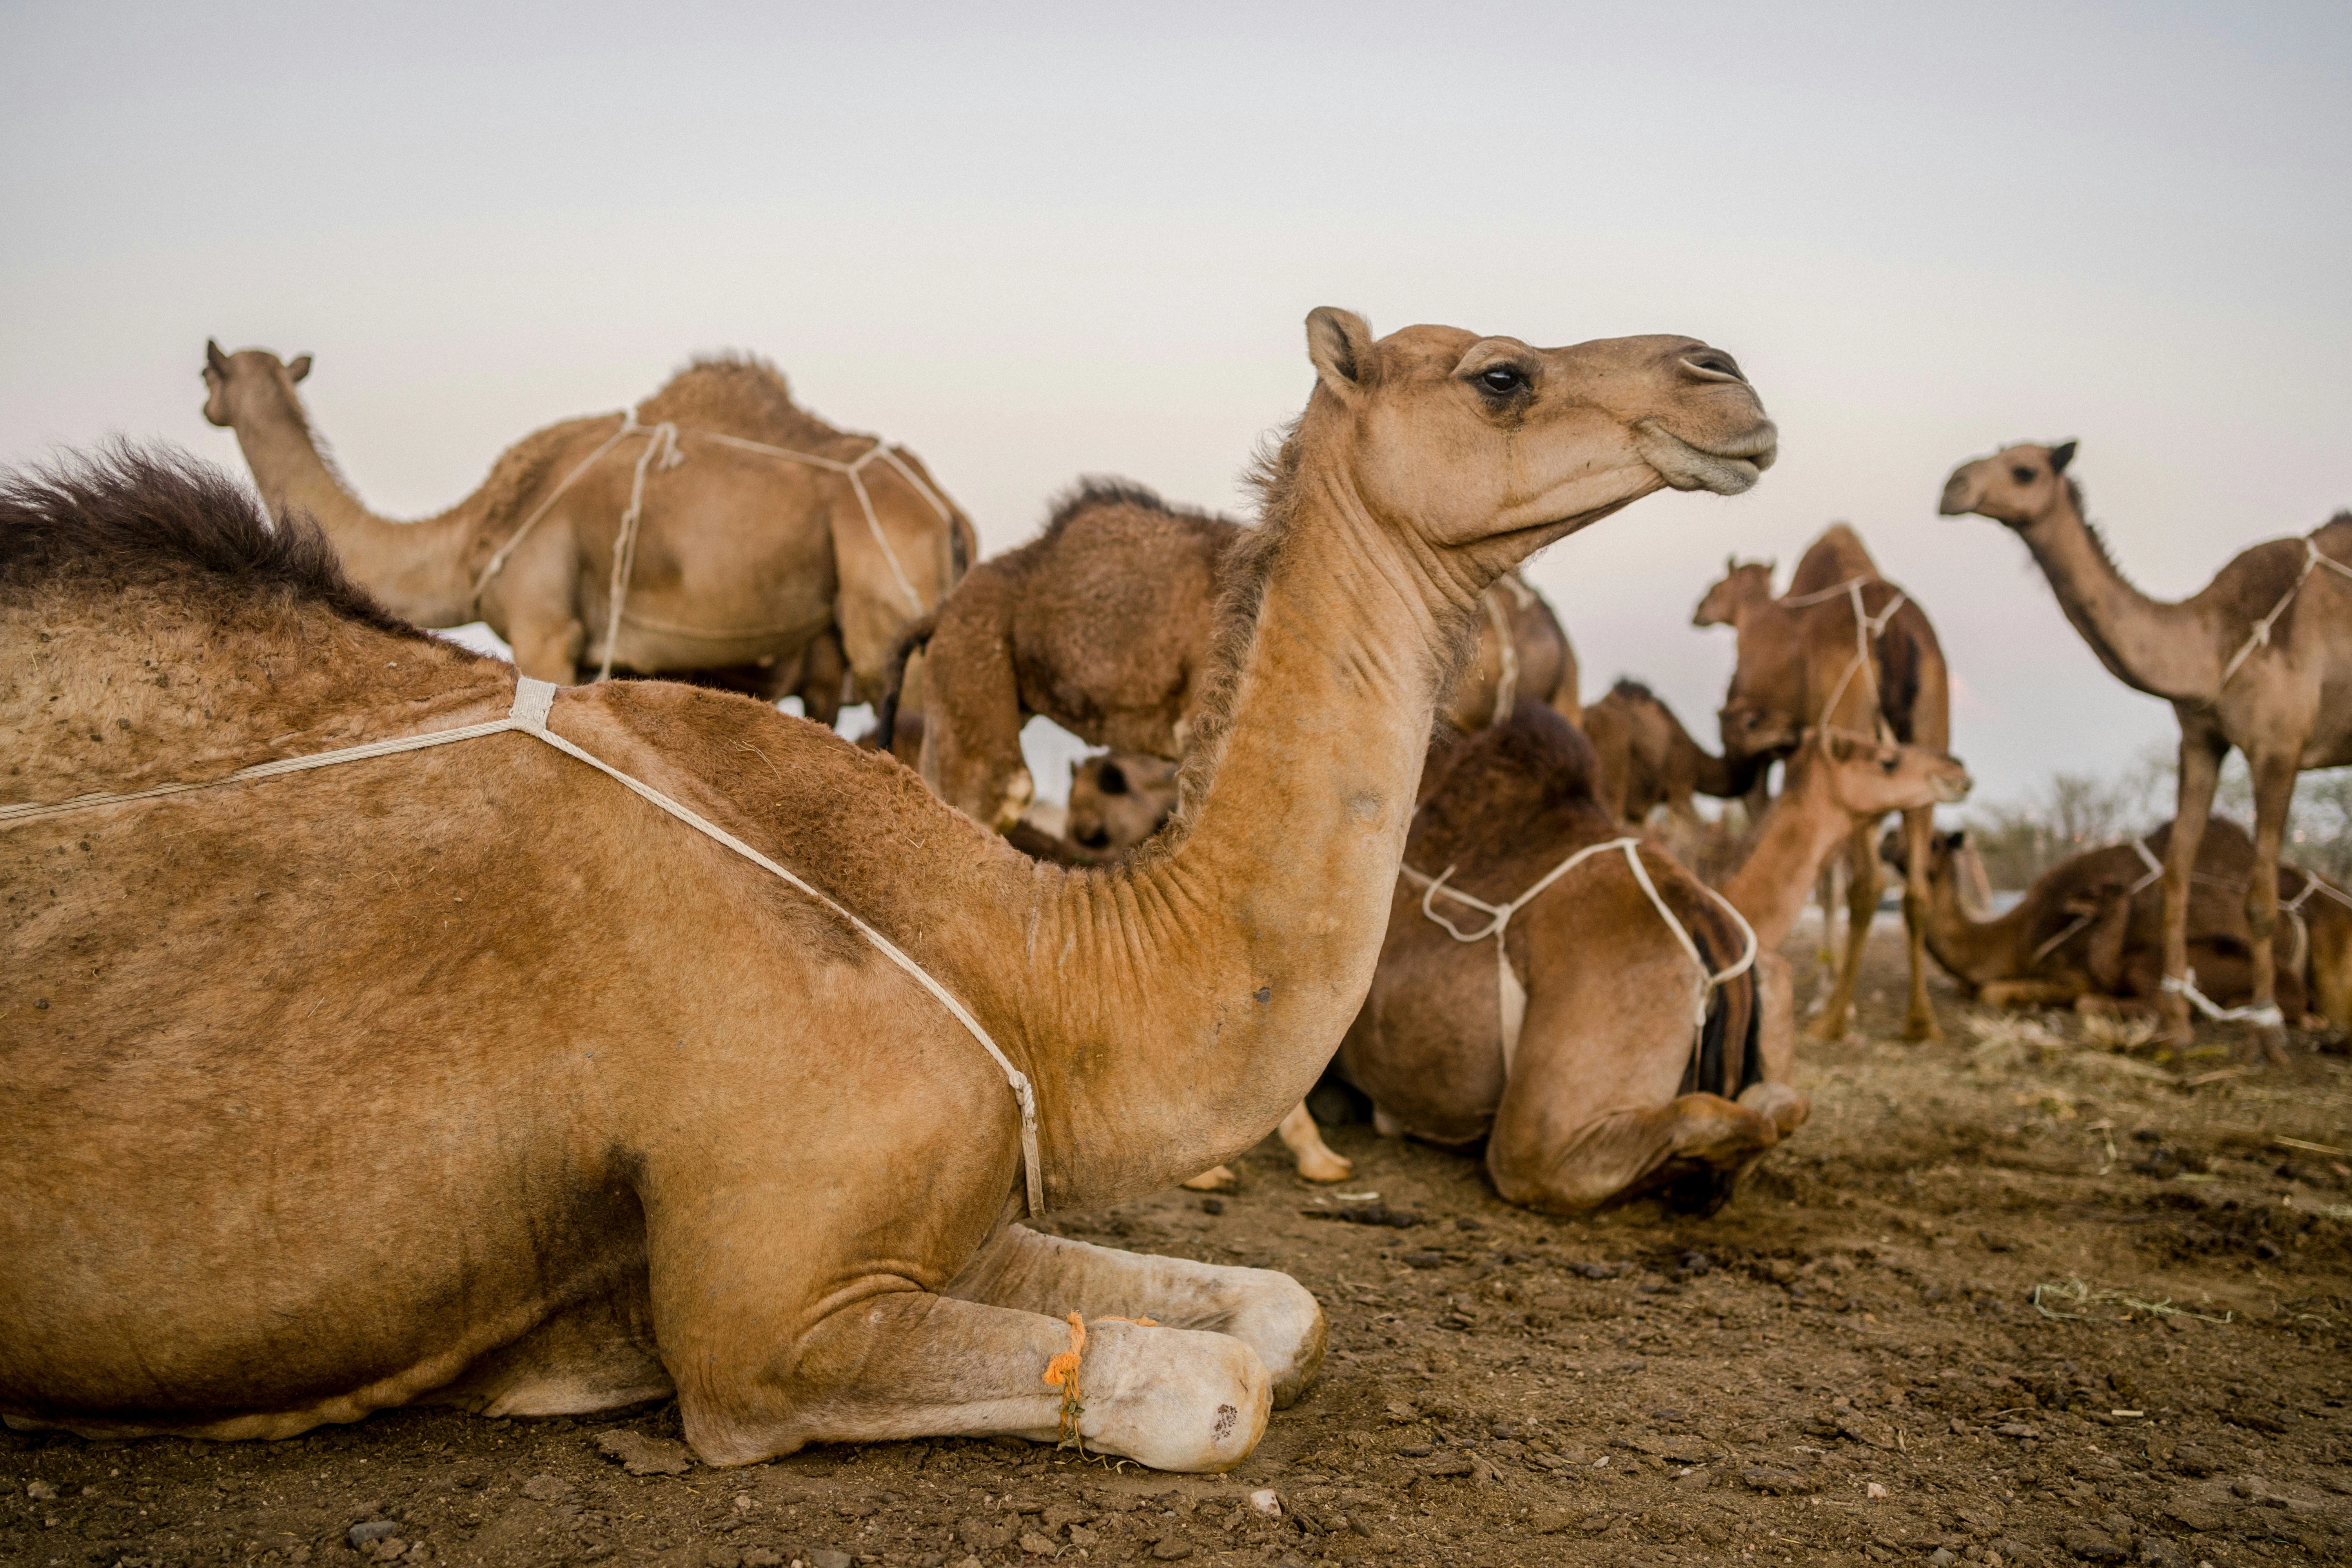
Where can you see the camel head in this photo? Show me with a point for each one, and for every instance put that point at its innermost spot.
(1743, 582)
(2012, 486)
(1482, 451)
(1119, 799)
(230, 377)
(1868, 777)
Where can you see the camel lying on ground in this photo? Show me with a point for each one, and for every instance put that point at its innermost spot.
(1605, 1084)
(2260, 658)
(471, 1073)
(2090, 932)
(1644, 758)
(1846, 649)
(1104, 623)
(747, 568)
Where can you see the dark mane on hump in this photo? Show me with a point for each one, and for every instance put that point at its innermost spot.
(1516, 783)
(128, 514)
(1094, 491)
(1632, 690)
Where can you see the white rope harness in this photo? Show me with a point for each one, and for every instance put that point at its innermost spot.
(2261, 635)
(664, 442)
(2268, 1017)
(2155, 874)
(1867, 628)
(533, 700)
(1507, 684)
(1512, 996)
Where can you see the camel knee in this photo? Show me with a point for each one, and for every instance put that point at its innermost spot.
(1783, 1104)
(1315, 1161)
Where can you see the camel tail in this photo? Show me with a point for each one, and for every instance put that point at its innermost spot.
(894, 677)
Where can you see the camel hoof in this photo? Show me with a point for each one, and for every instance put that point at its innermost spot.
(1826, 1029)
(1923, 1031)
(1326, 1166)
(1215, 1179)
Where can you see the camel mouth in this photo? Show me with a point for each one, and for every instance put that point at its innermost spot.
(1727, 468)
(1951, 791)
(1957, 499)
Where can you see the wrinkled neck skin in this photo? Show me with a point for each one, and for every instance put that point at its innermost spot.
(2164, 649)
(1804, 824)
(1188, 1000)
(416, 570)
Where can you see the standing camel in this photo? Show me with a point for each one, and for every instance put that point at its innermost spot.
(2261, 659)
(1105, 623)
(1847, 650)
(1643, 758)
(724, 519)
(1531, 992)
(730, 1075)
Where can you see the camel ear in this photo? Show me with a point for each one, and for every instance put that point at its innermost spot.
(217, 360)
(1340, 344)
(2060, 455)
(299, 367)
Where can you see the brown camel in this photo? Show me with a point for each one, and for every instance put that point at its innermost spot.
(1104, 624)
(2090, 932)
(749, 570)
(1846, 649)
(469, 1074)
(1601, 1087)
(2261, 659)
(1646, 759)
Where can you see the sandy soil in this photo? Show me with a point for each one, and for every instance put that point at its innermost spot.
(1847, 1365)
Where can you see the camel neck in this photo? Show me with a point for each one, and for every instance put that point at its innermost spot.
(1246, 949)
(1977, 951)
(2164, 649)
(417, 570)
(1798, 833)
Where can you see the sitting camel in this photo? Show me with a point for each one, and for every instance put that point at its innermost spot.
(746, 542)
(2090, 932)
(1646, 759)
(1842, 647)
(1105, 622)
(692, 1049)
(1580, 1034)
(2260, 658)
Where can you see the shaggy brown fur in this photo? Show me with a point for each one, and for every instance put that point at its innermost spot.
(1793, 665)
(1106, 623)
(2288, 704)
(751, 572)
(464, 1074)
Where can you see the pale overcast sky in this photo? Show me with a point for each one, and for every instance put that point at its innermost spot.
(1082, 239)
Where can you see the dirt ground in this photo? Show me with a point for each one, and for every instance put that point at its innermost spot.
(1847, 1365)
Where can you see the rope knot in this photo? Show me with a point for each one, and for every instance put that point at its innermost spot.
(1062, 1372)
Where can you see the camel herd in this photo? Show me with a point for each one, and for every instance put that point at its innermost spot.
(387, 1023)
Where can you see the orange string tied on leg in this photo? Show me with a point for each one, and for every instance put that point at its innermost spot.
(1062, 1372)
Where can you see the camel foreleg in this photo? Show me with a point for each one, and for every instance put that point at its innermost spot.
(2201, 751)
(1861, 908)
(907, 1365)
(1622, 1153)
(1272, 1314)
(2274, 775)
(1918, 827)
(1315, 1161)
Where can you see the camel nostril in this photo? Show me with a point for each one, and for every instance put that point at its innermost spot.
(1712, 364)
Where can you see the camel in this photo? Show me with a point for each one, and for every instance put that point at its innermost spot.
(751, 569)
(650, 1040)
(2260, 658)
(1846, 649)
(1646, 759)
(2090, 932)
(1104, 624)
(1601, 1087)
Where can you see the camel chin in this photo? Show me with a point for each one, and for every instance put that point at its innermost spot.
(1687, 467)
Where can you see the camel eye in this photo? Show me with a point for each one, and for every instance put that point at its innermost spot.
(2022, 475)
(1502, 380)
(1887, 764)
(1111, 780)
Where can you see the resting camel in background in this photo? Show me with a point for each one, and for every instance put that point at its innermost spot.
(643, 1116)
(1644, 758)
(1105, 622)
(2090, 932)
(1844, 648)
(2260, 658)
(1603, 1086)
(749, 570)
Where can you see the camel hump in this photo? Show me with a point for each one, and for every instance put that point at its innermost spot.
(740, 393)
(1627, 689)
(1109, 501)
(1511, 784)
(1837, 556)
